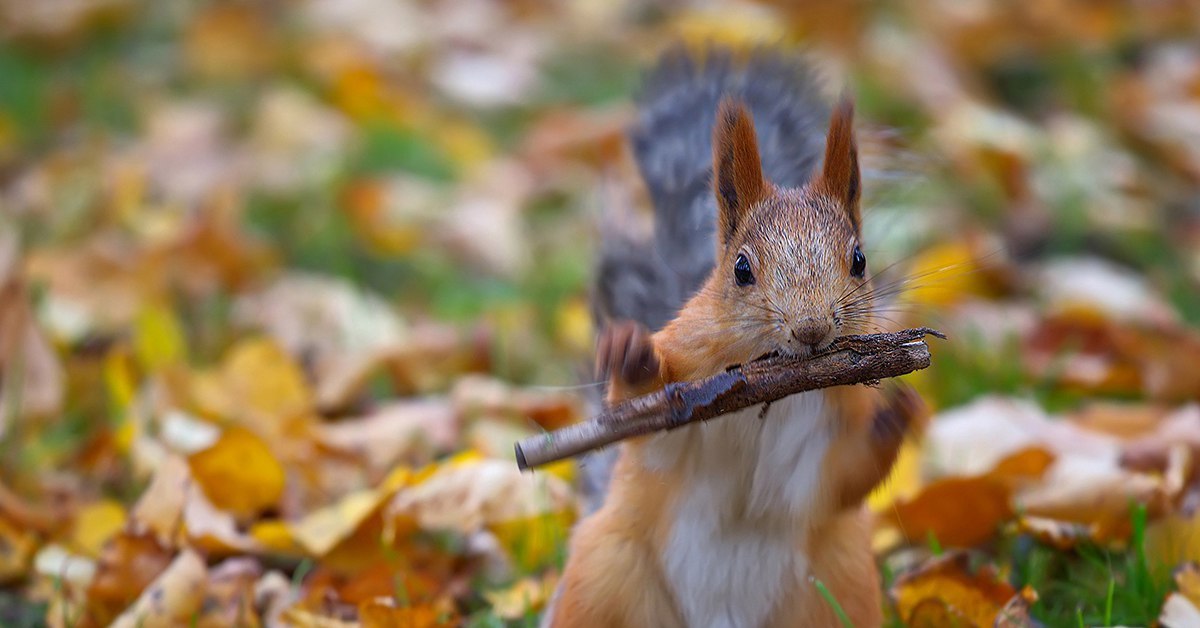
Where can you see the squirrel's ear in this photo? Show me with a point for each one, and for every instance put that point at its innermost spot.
(737, 171)
(840, 177)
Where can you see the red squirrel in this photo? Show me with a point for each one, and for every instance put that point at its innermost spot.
(739, 521)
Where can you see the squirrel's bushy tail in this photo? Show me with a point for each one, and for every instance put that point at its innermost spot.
(649, 280)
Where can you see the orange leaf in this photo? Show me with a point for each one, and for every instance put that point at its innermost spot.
(957, 511)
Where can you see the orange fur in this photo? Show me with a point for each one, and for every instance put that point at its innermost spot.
(624, 565)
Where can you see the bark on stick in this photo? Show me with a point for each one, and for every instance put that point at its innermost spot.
(849, 360)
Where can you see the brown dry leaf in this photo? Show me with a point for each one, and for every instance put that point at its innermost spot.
(212, 530)
(565, 136)
(385, 613)
(239, 473)
(467, 493)
(1098, 353)
(404, 431)
(337, 328)
(480, 395)
(1150, 450)
(31, 378)
(1063, 535)
(17, 546)
(173, 599)
(1121, 420)
(322, 530)
(160, 507)
(1093, 492)
(958, 512)
(229, 42)
(229, 595)
(943, 591)
(529, 513)
(126, 566)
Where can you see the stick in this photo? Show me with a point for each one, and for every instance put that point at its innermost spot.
(849, 360)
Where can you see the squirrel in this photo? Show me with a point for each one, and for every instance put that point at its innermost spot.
(755, 519)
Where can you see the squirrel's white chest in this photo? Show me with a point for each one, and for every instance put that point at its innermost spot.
(734, 547)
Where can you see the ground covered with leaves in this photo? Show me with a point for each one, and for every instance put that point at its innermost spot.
(282, 282)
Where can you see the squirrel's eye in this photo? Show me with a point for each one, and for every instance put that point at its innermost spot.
(741, 271)
(859, 264)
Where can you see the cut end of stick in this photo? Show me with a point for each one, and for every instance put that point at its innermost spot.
(521, 463)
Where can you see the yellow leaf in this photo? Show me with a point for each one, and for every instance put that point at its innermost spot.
(276, 537)
(535, 542)
(95, 524)
(574, 326)
(157, 339)
(945, 592)
(321, 530)
(259, 387)
(1174, 539)
(466, 145)
(239, 473)
(944, 275)
(118, 378)
(740, 26)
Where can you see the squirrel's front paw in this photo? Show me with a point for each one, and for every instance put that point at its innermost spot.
(901, 412)
(625, 351)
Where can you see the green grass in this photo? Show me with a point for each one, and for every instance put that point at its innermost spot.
(1094, 586)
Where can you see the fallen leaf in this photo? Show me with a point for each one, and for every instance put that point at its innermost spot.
(322, 530)
(958, 512)
(173, 599)
(16, 550)
(259, 386)
(385, 613)
(229, 598)
(407, 431)
(1063, 535)
(530, 513)
(128, 564)
(95, 524)
(239, 473)
(945, 591)
(160, 507)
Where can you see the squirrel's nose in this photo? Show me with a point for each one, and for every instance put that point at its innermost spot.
(811, 330)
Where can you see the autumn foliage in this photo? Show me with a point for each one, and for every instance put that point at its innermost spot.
(282, 282)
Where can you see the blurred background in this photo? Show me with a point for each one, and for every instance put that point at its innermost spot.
(283, 280)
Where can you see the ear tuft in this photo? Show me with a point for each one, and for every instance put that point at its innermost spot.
(840, 177)
(737, 171)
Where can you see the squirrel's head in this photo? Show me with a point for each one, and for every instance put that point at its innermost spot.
(789, 260)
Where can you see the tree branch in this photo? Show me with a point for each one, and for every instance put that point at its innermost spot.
(849, 360)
